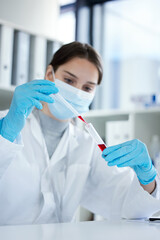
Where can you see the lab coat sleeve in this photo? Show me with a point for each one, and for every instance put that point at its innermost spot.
(8, 151)
(114, 192)
(156, 192)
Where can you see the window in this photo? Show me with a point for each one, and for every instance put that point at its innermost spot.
(67, 21)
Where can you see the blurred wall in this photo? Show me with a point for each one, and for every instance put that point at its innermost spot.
(137, 76)
(36, 16)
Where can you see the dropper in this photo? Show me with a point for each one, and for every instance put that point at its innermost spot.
(67, 104)
(89, 127)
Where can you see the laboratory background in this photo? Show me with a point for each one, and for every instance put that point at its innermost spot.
(126, 33)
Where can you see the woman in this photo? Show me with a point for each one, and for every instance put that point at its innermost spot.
(49, 167)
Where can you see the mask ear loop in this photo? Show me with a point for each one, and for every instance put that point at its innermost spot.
(53, 74)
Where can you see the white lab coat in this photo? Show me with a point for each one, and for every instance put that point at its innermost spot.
(36, 189)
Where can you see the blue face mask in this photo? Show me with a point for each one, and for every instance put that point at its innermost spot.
(79, 99)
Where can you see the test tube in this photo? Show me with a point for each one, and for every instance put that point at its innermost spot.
(92, 131)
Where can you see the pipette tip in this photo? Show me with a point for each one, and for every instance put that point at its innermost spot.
(82, 119)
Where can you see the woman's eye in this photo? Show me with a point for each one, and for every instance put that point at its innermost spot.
(69, 81)
(88, 89)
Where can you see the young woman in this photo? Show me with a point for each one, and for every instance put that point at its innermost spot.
(48, 167)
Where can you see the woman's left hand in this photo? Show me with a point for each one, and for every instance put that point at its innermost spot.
(132, 154)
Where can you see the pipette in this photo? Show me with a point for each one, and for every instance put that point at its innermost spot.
(67, 104)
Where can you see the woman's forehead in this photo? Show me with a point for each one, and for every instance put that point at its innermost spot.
(79, 66)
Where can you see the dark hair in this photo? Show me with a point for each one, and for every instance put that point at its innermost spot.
(77, 49)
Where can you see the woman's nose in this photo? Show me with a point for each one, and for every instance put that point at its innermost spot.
(79, 86)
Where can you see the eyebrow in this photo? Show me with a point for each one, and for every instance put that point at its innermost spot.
(71, 74)
(92, 83)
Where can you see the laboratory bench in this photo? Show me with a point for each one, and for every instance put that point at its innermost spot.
(101, 230)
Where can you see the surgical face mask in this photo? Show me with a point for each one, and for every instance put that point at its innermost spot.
(79, 99)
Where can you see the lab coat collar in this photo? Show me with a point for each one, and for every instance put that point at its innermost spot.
(66, 145)
(73, 136)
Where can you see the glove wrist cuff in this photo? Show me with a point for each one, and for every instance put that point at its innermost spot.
(148, 176)
(9, 134)
(1, 121)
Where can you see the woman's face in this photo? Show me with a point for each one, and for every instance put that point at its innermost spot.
(79, 73)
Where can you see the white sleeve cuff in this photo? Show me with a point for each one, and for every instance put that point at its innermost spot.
(8, 152)
(18, 142)
(156, 192)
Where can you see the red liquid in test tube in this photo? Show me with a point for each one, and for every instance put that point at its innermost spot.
(102, 146)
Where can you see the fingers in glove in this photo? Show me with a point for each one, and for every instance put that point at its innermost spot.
(47, 89)
(119, 153)
(43, 97)
(131, 159)
(41, 82)
(111, 149)
(36, 103)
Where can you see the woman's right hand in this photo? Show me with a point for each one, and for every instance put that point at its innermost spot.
(25, 98)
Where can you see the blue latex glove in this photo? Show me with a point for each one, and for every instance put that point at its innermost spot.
(25, 98)
(132, 154)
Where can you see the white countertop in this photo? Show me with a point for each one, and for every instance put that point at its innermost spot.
(125, 230)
